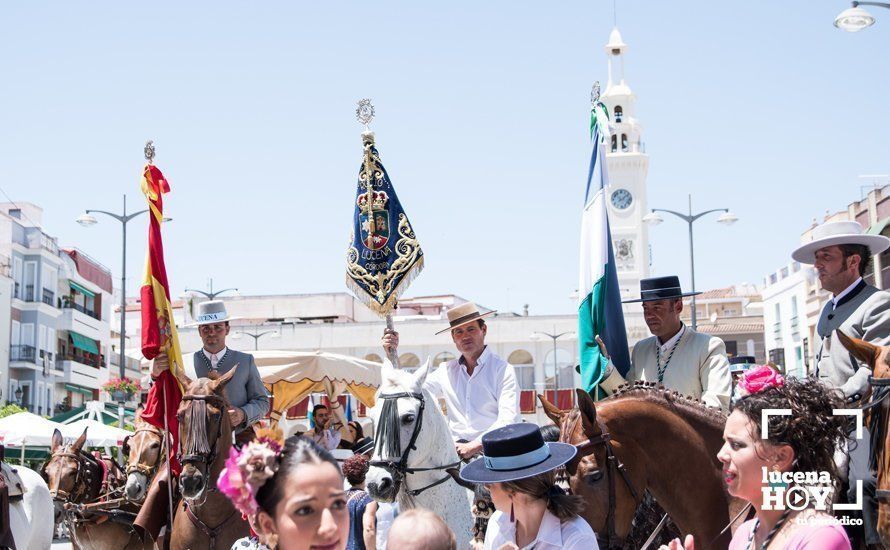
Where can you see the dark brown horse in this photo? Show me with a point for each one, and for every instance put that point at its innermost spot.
(646, 438)
(878, 420)
(83, 488)
(206, 519)
(145, 455)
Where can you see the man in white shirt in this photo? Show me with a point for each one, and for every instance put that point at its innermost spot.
(479, 388)
(326, 432)
(840, 252)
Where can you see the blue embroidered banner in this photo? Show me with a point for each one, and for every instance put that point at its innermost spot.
(384, 255)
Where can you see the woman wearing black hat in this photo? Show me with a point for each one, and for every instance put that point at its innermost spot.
(517, 467)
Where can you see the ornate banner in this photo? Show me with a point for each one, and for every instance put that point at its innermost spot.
(384, 255)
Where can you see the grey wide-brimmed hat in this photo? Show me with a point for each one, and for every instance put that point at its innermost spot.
(212, 311)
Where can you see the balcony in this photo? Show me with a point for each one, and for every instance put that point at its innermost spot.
(68, 304)
(22, 353)
(95, 361)
(49, 298)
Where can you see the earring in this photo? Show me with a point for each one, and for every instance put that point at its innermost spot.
(512, 515)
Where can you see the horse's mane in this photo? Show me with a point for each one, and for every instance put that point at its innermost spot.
(652, 392)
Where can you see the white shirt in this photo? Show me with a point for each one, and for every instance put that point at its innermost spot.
(573, 534)
(328, 439)
(219, 355)
(480, 403)
(844, 292)
(666, 347)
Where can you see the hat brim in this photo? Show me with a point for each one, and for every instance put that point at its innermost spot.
(806, 254)
(657, 298)
(198, 324)
(477, 472)
(467, 322)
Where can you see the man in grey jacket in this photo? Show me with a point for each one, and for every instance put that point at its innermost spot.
(245, 393)
(841, 254)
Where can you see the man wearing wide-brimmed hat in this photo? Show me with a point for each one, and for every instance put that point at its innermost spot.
(682, 359)
(841, 253)
(479, 388)
(245, 392)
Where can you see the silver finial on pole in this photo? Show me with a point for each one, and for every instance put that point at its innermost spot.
(595, 94)
(365, 113)
(149, 151)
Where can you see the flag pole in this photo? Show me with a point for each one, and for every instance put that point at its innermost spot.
(149, 158)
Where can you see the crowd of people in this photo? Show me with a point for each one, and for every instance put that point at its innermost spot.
(309, 500)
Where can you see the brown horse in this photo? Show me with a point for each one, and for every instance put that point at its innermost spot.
(646, 438)
(145, 455)
(206, 519)
(878, 420)
(80, 484)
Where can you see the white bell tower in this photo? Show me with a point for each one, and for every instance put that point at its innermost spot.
(628, 165)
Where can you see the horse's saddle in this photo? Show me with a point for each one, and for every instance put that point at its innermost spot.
(12, 480)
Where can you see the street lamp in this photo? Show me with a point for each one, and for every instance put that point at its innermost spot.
(257, 335)
(855, 19)
(554, 337)
(727, 218)
(211, 294)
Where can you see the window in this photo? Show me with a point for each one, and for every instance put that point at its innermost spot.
(30, 282)
(777, 356)
(559, 374)
(794, 311)
(17, 277)
(16, 335)
(614, 143)
(624, 142)
(619, 112)
(27, 334)
(798, 363)
(732, 348)
(749, 347)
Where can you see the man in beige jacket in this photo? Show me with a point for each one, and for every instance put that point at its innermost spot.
(682, 359)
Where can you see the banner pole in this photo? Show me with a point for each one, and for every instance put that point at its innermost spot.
(391, 354)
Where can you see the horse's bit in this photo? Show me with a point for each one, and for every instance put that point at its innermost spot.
(400, 469)
(613, 463)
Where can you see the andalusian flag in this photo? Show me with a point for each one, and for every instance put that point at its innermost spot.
(599, 310)
(158, 330)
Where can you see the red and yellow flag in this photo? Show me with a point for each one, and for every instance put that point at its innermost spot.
(158, 329)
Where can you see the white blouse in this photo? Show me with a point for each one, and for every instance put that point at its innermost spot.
(575, 533)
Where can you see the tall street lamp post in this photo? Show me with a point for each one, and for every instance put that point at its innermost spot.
(855, 19)
(727, 218)
(554, 337)
(88, 220)
(257, 335)
(211, 295)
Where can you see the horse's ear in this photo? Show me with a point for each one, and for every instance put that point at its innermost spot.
(587, 408)
(125, 447)
(862, 350)
(57, 440)
(219, 384)
(552, 411)
(78, 445)
(137, 416)
(420, 375)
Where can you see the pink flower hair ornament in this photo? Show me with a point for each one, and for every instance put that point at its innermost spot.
(760, 378)
(247, 470)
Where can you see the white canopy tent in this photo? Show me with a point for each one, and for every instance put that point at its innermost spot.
(98, 434)
(24, 428)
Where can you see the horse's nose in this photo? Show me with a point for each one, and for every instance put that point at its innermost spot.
(382, 487)
(133, 488)
(192, 484)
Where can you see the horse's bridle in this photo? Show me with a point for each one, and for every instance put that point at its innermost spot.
(400, 469)
(139, 467)
(83, 479)
(613, 465)
(204, 458)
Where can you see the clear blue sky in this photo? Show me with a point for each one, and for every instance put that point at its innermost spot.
(482, 122)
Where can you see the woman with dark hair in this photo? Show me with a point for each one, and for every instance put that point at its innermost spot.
(517, 467)
(792, 452)
(299, 501)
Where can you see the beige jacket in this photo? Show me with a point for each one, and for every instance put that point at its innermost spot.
(699, 368)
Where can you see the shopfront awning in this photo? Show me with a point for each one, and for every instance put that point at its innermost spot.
(82, 342)
(83, 290)
(79, 389)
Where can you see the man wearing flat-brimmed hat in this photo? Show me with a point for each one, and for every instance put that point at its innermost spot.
(682, 359)
(479, 388)
(841, 253)
(245, 393)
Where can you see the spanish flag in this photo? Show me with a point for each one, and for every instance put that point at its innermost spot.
(158, 330)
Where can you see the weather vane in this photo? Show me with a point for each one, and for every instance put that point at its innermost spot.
(595, 94)
(149, 151)
(365, 112)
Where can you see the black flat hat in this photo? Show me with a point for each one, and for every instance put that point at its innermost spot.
(516, 451)
(661, 288)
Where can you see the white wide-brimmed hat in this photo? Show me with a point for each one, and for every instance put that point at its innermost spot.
(213, 311)
(463, 314)
(837, 233)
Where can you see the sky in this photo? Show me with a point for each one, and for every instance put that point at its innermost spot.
(482, 122)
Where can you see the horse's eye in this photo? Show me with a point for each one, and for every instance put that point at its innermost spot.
(408, 418)
(593, 476)
(155, 445)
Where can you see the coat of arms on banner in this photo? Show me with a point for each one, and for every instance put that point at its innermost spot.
(374, 220)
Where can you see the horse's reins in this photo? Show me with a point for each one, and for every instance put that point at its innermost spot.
(400, 469)
(613, 464)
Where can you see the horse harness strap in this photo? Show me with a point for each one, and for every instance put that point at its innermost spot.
(139, 467)
(400, 469)
(201, 457)
(212, 534)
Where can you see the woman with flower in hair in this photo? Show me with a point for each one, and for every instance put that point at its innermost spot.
(293, 494)
(797, 454)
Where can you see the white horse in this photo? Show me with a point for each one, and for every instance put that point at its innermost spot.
(422, 483)
(31, 517)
